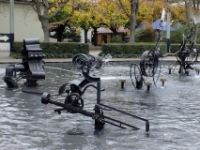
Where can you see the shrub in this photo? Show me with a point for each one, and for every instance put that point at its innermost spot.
(54, 50)
(145, 35)
(177, 36)
(116, 39)
(134, 50)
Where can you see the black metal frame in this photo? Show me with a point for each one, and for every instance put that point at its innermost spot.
(183, 54)
(149, 59)
(73, 105)
(31, 68)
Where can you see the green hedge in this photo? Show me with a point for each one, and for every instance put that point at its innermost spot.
(54, 50)
(129, 51)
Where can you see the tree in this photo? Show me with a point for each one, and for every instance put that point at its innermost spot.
(82, 17)
(132, 14)
(196, 20)
(148, 10)
(192, 13)
(46, 10)
(112, 15)
(59, 22)
(102, 13)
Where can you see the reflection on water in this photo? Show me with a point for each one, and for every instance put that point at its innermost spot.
(173, 111)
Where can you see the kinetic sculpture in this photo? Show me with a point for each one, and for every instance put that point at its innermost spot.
(31, 68)
(74, 102)
(147, 67)
(186, 56)
(150, 60)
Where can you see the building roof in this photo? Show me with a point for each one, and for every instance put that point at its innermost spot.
(161, 25)
(104, 31)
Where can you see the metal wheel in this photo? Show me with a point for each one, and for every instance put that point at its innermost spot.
(136, 76)
(74, 100)
(79, 60)
(149, 64)
(99, 62)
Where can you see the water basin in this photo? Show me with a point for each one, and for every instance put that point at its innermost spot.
(173, 111)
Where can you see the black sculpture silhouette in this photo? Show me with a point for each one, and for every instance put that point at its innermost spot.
(148, 65)
(31, 68)
(74, 102)
(186, 56)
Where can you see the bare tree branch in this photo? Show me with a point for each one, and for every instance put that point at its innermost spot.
(124, 9)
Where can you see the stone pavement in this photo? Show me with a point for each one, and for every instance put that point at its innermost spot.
(4, 58)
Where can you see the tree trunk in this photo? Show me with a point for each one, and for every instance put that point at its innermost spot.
(45, 27)
(114, 30)
(95, 36)
(187, 13)
(42, 9)
(85, 35)
(133, 16)
(59, 31)
(132, 30)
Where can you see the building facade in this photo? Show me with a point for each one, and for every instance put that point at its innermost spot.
(26, 23)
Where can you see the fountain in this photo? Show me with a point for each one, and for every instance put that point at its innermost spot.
(149, 62)
(74, 102)
(172, 110)
(186, 57)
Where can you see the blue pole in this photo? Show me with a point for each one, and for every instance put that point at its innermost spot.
(168, 30)
(11, 24)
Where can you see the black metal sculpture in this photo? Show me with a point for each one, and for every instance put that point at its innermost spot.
(148, 65)
(80, 60)
(31, 68)
(186, 56)
(74, 102)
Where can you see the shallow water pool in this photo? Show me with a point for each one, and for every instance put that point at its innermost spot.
(173, 111)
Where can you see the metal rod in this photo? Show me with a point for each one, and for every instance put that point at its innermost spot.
(121, 122)
(170, 70)
(148, 88)
(32, 92)
(147, 121)
(124, 112)
(122, 85)
(98, 92)
(90, 114)
(147, 126)
(78, 110)
(114, 124)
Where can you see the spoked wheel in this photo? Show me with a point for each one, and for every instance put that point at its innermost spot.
(136, 76)
(157, 73)
(151, 69)
(74, 100)
(99, 62)
(186, 59)
(91, 60)
(149, 64)
(79, 60)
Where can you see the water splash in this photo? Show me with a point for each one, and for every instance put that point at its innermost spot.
(196, 19)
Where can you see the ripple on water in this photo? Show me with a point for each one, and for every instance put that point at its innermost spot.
(173, 111)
